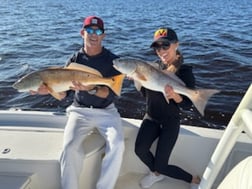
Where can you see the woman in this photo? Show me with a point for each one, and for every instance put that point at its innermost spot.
(162, 119)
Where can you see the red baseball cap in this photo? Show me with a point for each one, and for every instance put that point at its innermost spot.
(93, 21)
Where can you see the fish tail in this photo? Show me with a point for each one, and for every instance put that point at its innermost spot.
(116, 86)
(200, 98)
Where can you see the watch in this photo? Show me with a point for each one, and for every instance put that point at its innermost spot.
(93, 91)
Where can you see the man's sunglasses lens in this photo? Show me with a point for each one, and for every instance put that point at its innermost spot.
(92, 31)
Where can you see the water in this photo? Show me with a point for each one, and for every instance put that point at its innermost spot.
(215, 38)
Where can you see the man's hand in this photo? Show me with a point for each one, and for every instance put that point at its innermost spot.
(42, 90)
(77, 86)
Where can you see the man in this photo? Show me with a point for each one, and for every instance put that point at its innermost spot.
(92, 107)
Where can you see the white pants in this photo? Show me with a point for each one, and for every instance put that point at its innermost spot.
(80, 122)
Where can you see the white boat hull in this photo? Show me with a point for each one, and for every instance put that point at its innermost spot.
(31, 144)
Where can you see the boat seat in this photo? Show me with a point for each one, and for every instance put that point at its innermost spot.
(31, 155)
(239, 177)
(15, 180)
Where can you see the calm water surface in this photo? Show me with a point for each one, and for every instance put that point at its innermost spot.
(215, 38)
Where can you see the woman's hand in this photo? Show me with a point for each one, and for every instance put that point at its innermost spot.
(171, 94)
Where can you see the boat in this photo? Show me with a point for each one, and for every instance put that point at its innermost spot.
(31, 144)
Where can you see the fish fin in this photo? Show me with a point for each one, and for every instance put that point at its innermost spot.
(76, 66)
(55, 67)
(116, 86)
(140, 76)
(56, 95)
(137, 85)
(53, 93)
(174, 77)
(200, 97)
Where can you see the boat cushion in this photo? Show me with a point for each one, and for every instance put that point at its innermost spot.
(239, 177)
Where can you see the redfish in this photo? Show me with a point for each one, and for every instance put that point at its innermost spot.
(154, 79)
(60, 79)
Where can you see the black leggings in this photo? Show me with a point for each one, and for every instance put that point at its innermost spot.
(167, 131)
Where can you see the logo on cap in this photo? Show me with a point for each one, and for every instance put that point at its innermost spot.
(160, 33)
(94, 21)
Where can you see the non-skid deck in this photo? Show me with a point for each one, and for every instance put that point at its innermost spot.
(131, 181)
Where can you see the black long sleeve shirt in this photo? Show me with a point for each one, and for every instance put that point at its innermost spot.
(102, 62)
(156, 105)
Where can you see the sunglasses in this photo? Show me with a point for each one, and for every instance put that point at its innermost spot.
(163, 46)
(96, 31)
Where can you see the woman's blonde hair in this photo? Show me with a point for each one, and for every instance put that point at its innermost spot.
(176, 65)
